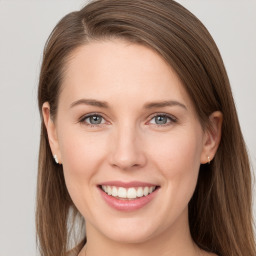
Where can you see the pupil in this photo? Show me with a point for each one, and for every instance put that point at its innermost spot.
(95, 119)
(161, 119)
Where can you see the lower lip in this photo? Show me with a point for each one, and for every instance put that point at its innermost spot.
(127, 205)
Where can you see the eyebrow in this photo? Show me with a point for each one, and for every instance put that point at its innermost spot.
(162, 104)
(90, 102)
(104, 104)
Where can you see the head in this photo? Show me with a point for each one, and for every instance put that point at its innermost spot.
(165, 35)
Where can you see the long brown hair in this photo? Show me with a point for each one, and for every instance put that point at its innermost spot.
(220, 212)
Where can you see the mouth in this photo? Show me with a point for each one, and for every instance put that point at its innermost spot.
(129, 193)
(128, 196)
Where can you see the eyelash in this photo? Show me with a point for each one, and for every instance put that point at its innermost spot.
(171, 118)
(82, 120)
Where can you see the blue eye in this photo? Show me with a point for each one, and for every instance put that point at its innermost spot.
(162, 119)
(93, 119)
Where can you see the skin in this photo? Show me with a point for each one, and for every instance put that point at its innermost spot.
(129, 145)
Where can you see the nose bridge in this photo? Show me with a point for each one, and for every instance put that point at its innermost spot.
(127, 147)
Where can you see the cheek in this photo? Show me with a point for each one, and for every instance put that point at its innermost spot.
(177, 159)
(180, 148)
(81, 152)
(177, 156)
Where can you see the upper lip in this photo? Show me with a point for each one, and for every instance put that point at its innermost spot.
(128, 184)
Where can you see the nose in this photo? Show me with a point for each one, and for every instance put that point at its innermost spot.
(127, 151)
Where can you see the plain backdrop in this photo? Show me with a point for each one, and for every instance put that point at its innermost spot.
(24, 28)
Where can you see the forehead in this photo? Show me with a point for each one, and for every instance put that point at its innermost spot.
(114, 69)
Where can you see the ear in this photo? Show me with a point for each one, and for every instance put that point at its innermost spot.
(212, 137)
(51, 131)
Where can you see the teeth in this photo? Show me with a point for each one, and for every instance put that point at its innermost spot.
(139, 192)
(146, 191)
(130, 193)
(122, 192)
(109, 190)
(114, 191)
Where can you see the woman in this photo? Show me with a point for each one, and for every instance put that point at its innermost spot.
(138, 114)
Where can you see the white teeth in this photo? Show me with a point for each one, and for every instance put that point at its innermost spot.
(114, 191)
(139, 192)
(130, 193)
(109, 190)
(122, 192)
(146, 191)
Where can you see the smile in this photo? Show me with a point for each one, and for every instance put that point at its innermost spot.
(128, 196)
(128, 193)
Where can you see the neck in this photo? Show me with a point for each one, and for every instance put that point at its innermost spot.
(174, 241)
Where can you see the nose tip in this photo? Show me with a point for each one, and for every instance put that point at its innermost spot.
(128, 152)
(125, 162)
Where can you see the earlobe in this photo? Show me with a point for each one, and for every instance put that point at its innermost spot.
(212, 137)
(51, 131)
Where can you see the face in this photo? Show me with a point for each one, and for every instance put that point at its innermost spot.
(129, 140)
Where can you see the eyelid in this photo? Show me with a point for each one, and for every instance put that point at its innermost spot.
(172, 118)
(84, 117)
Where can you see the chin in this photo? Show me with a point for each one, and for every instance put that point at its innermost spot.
(129, 237)
(131, 232)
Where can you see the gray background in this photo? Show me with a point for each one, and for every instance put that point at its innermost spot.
(24, 28)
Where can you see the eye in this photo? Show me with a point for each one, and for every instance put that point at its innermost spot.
(93, 120)
(162, 119)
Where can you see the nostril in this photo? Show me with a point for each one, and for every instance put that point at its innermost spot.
(128, 160)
